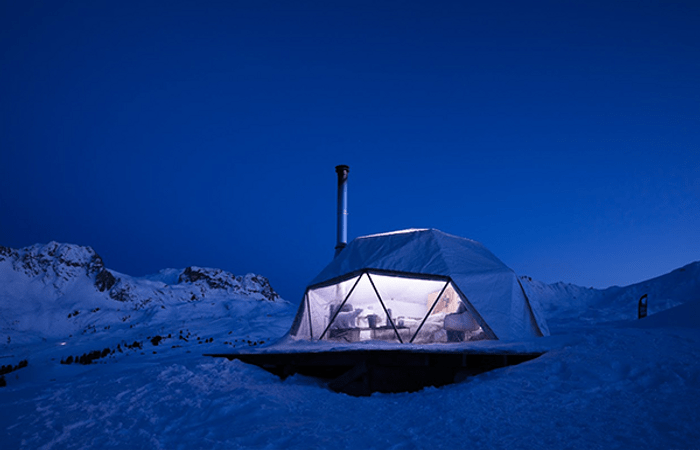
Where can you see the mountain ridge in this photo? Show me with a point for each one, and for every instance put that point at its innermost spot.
(565, 303)
(57, 290)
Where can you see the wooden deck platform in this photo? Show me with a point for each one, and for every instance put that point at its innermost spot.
(362, 372)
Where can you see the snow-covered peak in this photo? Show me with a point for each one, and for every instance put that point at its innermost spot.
(220, 279)
(64, 260)
(55, 290)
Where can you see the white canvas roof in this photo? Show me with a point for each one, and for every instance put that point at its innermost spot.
(489, 286)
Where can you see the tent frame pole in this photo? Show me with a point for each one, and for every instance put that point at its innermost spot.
(381, 302)
(308, 313)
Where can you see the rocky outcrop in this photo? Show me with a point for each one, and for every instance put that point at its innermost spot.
(253, 283)
(214, 278)
(6, 252)
(104, 280)
(56, 263)
(63, 259)
(220, 279)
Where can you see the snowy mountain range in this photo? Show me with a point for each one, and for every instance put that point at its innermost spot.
(57, 291)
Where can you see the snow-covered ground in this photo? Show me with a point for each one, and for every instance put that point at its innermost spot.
(607, 381)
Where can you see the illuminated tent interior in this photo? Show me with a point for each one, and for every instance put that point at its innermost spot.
(416, 287)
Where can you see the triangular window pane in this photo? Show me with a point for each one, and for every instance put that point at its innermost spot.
(449, 320)
(361, 318)
(321, 304)
(407, 300)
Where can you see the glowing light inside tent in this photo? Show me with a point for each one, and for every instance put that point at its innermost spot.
(383, 307)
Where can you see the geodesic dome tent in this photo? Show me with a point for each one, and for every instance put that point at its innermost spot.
(416, 286)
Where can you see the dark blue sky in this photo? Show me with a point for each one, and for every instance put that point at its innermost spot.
(565, 136)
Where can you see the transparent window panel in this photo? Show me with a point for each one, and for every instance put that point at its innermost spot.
(324, 302)
(407, 300)
(449, 321)
(362, 317)
(350, 311)
(354, 318)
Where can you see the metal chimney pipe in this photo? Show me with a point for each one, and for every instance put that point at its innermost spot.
(342, 240)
